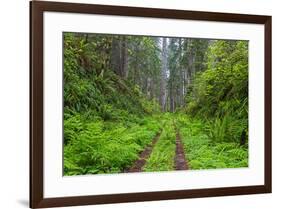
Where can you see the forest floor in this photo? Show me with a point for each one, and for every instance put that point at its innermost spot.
(143, 156)
(180, 162)
(165, 142)
(181, 144)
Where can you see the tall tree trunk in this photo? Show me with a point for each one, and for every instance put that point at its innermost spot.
(191, 66)
(152, 90)
(148, 87)
(163, 74)
(171, 93)
(119, 56)
(124, 58)
(115, 56)
(181, 75)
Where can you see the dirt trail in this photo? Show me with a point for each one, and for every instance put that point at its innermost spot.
(180, 162)
(144, 155)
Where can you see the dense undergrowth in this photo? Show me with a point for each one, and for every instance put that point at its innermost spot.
(162, 157)
(219, 94)
(99, 146)
(109, 120)
(203, 152)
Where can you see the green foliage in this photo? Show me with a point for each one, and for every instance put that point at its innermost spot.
(106, 118)
(220, 94)
(204, 152)
(226, 128)
(72, 127)
(90, 84)
(162, 157)
(106, 147)
(195, 49)
(144, 49)
(225, 79)
(111, 112)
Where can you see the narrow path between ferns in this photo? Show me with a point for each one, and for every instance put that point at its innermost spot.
(180, 162)
(144, 155)
(179, 159)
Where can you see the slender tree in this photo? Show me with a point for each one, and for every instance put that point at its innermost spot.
(163, 74)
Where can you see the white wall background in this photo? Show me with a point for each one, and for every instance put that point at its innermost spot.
(14, 103)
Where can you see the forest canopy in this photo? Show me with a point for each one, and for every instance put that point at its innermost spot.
(125, 93)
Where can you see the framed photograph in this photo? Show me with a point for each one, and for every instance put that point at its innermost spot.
(138, 104)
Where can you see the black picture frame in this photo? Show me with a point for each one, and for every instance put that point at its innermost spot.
(37, 8)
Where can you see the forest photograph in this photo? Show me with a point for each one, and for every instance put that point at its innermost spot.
(136, 103)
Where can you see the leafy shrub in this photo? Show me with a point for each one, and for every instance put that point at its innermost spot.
(204, 152)
(162, 157)
(105, 147)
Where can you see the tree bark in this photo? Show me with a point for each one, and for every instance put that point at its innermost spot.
(115, 56)
(124, 58)
(119, 56)
(163, 74)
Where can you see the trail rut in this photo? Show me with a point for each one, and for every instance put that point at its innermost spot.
(144, 155)
(180, 163)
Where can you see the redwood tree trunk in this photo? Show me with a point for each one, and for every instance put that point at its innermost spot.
(163, 74)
